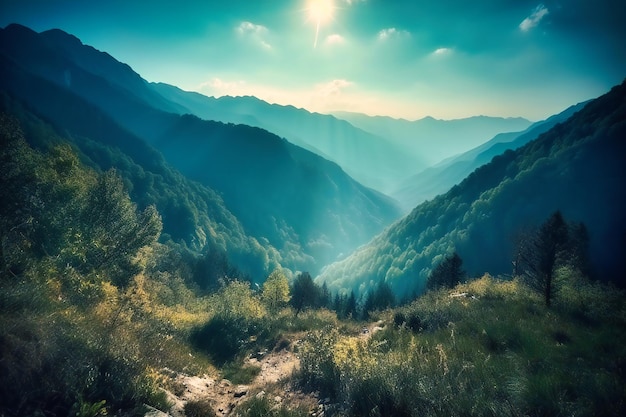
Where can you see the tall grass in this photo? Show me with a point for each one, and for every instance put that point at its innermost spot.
(493, 351)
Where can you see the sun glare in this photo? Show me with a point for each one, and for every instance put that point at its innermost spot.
(320, 11)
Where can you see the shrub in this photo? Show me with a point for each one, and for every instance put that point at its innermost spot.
(199, 408)
(318, 370)
(414, 322)
(399, 319)
(376, 395)
(49, 366)
(239, 374)
(223, 337)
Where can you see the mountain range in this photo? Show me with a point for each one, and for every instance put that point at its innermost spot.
(272, 185)
(433, 140)
(439, 178)
(360, 144)
(274, 189)
(363, 155)
(577, 167)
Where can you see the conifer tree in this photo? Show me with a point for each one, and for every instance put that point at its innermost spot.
(447, 274)
(304, 292)
(541, 253)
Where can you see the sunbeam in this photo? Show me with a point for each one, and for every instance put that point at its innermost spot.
(320, 11)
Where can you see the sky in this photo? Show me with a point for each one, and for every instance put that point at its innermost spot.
(402, 58)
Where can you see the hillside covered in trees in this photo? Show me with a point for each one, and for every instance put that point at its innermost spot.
(576, 167)
(439, 178)
(307, 211)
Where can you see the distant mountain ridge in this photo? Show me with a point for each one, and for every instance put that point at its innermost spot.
(578, 167)
(373, 160)
(435, 139)
(441, 177)
(60, 79)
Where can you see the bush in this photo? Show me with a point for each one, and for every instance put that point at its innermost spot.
(50, 367)
(223, 337)
(239, 374)
(318, 370)
(375, 396)
(410, 321)
(199, 408)
(399, 319)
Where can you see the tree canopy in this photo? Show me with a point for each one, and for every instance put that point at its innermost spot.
(304, 292)
(275, 293)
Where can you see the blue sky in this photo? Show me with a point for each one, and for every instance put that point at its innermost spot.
(402, 58)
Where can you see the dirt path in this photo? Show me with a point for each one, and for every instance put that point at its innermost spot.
(225, 396)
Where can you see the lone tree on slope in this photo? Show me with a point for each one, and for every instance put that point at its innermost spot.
(447, 274)
(304, 292)
(539, 255)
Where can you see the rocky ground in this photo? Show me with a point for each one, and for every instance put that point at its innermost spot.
(275, 369)
(273, 380)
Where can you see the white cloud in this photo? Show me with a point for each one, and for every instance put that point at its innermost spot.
(535, 17)
(255, 32)
(335, 39)
(332, 88)
(351, 2)
(391, 33)
(442, 51)
(249, 27)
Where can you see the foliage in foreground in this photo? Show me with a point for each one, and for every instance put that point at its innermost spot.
(495, 350)
(81, 327)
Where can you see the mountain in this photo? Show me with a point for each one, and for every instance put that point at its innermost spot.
(433, 140)
(191, 213)
(373, 160)
(578, 167)
(278, 190)
(285, 197)
(101, 64)
(441, 177)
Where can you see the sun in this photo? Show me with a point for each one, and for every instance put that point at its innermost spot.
(321, 11)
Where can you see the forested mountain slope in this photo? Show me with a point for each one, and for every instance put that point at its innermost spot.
(372, 159)
(577, 167)
(191, 212)
(440, 178)
(284, 196)
(278, 190)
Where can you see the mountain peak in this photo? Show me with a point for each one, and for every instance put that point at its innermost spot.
(16, 27)
(61, 36)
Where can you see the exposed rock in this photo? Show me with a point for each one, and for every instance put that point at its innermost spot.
(224, 397)
(153, 412)
(240, 391)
